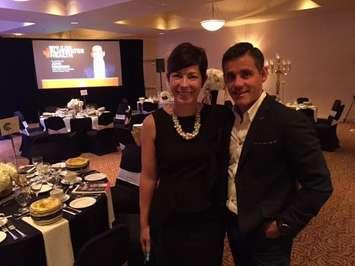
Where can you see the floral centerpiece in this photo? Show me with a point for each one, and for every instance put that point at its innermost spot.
(214, 81)
(165, 97)
(75, 104)
(8, 172)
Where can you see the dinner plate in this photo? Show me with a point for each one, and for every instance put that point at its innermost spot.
(2, 236)
(95, 177)
(32, 175)
(82, 202)
(3, 221)
(44, 188)
(74, 181)
(27, 169)
(59, 165)
(65, 197)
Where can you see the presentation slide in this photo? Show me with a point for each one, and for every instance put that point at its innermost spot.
(77, 64)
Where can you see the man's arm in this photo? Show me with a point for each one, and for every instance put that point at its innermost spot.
(305, 162)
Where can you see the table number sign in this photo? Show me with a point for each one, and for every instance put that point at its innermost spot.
(83, 92)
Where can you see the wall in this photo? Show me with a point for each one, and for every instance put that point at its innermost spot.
(320, 47)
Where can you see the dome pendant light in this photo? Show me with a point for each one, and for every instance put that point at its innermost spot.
(212, 24)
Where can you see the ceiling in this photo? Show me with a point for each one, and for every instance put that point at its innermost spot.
(100, 19)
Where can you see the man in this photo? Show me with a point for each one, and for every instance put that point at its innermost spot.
(277, 176)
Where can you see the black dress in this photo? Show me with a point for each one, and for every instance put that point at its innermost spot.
(187, 222)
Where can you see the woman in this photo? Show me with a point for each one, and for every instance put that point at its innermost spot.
(184, 160)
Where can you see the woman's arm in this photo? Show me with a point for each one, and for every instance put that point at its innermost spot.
(147, 180)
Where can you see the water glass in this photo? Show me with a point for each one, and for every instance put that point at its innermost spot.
(23, 197)
(36, 160)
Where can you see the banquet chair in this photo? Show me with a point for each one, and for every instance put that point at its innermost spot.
(55, 125)
(54, 147)
(302, 100)
(123, 114)
(123, 136)
(138, 118)
(28, 134)
(309, 113)
(125, 198)
(102, 140)
(109, 248)
(326, 128)
(149, 107)
(80, 126)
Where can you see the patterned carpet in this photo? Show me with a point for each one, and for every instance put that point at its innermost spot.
(330, 237)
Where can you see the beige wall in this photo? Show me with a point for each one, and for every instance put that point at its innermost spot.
(321, 48)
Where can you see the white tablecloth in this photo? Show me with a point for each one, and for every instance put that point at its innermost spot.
(304, 106)
(66, 119)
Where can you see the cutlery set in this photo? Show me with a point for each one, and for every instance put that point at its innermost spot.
(13, 231)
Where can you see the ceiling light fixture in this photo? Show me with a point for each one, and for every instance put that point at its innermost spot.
(212, 24)
(74, 22)
(26, 24)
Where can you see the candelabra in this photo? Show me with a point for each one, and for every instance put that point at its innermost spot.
(279, 67)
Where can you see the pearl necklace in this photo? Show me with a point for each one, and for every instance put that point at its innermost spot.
(187, 135)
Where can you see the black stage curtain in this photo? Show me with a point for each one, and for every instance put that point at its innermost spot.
(132, 70)
(19, 86)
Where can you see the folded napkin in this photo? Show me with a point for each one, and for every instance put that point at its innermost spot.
(57, 242)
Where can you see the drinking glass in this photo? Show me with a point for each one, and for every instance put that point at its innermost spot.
(36, 186)
(23, 197)
(36, 160)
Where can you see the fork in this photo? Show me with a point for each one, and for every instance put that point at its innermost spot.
(70, 208)
(12, 227)
(14, 237)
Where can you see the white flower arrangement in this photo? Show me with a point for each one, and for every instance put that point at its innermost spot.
(75, 104)
(8, 172)
(165, 97)
(214, 80)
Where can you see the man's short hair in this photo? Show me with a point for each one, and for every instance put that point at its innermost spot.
(185, 55)
(240, 49)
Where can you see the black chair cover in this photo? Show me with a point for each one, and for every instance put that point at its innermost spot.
(302, 100)
(326, 128)
(109, 248)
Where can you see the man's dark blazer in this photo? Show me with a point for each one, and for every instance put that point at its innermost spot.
(281, 172)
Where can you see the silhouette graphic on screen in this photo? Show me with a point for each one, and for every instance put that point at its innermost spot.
(99, 68)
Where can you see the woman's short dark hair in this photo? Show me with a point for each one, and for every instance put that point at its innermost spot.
(185, 55)
(239, 50)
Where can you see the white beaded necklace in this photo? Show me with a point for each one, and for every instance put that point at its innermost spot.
(187, 135)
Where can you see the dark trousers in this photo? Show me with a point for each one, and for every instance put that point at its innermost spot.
(254, 249)
(189, 240)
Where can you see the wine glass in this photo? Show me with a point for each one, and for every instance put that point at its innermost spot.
(23, 197)
(36, 160)
(36, 186)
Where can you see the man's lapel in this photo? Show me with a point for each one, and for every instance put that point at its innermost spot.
(259, 123)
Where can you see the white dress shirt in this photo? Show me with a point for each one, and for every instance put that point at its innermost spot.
(238, 135)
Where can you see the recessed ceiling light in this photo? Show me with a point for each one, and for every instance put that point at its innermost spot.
(21, 0)
(25, 24)
(74, 22)
(17, 34)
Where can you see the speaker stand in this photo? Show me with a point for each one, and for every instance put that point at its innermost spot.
(348, 112)
(161, 83)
